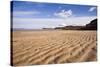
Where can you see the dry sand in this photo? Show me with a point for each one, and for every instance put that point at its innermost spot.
(53, 47)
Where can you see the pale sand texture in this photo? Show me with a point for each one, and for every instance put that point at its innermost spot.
(53, 47)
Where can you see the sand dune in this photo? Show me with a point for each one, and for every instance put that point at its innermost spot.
(52, 47)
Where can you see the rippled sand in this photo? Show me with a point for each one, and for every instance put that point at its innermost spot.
(53, 47)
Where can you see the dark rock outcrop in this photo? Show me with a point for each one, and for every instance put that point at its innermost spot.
(92, 25)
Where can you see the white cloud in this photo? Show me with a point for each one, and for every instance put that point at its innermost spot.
(63, 24)
(25, 12)
(64, 13)
(32, 23)
(47, 22)
(79, 20)
(92, 9)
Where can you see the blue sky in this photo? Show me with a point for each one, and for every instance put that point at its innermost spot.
(36, 15)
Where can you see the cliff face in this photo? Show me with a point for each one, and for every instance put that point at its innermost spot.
(92, 25)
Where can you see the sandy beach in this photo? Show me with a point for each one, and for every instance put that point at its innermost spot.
(53, 47)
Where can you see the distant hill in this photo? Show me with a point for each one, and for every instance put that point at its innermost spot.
(70, 27)
(91, 26)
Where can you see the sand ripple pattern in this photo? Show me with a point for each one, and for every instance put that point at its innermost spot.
(53, 47)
